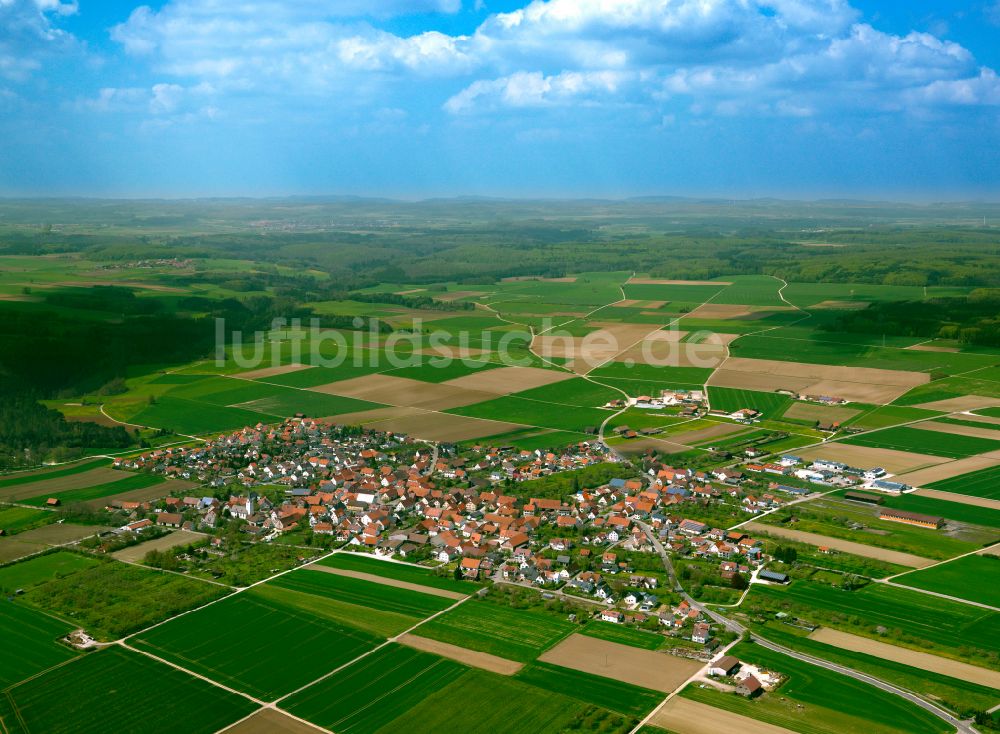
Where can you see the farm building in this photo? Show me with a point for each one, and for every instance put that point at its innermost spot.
(778, 578)
(724, 665)
(749, 687)
(53, 502)
(883, 485)
(911, 518)
(871, 499)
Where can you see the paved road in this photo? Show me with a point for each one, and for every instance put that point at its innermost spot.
(963, 727)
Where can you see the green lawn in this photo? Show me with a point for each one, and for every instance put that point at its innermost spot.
(514, 634)
(121, 691)
(17, 519)
(399, 571)
(257, 644)
(981, 483)
(976, 578)
(770, 404)
(814, 700)
(918, 441)
(605, 692)
(40, 569)
(374, 691)
(30, 642)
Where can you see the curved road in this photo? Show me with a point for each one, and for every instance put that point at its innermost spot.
(964, 727)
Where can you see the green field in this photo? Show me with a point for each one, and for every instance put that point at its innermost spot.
(575, 391)
(256, 644)
(958, 511)
(17, 519)
(122, 691)
(113, 599)
(40, 569)
(440, 369)
(981, 483)
(909, 618)
(191, 417)
(399, 571)
(17, 479)
(918, 441)
(889, 415)
(969, 424)
(374, 691)
(976, 578)
(623, 635)
(477, 701)
(665, 377)
(770, 404)
(535, 413)
(605, 692)
(751, 290)
(959, 695)
(820, 701)
(382, 597)
(520, 635)
(99, 491)
(29, 642)
(315, 376)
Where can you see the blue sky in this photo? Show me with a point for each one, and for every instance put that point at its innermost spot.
(419, 98)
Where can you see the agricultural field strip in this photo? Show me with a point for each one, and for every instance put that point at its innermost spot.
(273, 704)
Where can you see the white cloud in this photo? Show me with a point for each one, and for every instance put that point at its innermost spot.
(27, 35)
(775, 57)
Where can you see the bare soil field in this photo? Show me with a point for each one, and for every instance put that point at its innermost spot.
(847, 546)
(946, 471)
(401, 391)
(861, 384)
(273, 371)
(642, 445)
(597, 347)
(452, 352)
(962, 499)
(271, 721)
(930, 348)
(921, 660)
(979, 419)
(656, 670)
(866, 457)
(667, 352)
(507, 380)
(61, 484)
(757, 381)
(684, 716)
(966, 402)
(388, 582)
(656, 281)
(476, 659)
(723, 311)
(627, 303)
(444, 426)
(955, 430)
(13, 548)
(455, 295)
(135, 553)
(813, 412)
(841, 305)
(370, 417)
(704, 434)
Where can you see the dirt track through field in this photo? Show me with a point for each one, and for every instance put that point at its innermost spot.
(867, 457)
(476, 659)
(684, 716)
(913, 658)
(658, 281)
(656, 670)
(388, 581)
(946, 470)
(82, 480)
(845, 546)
